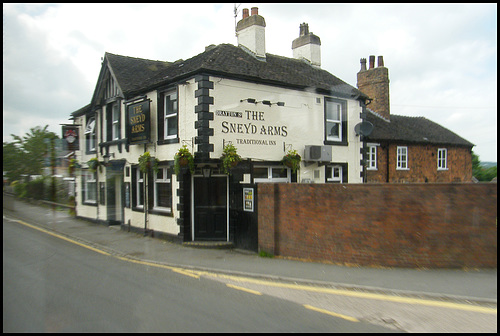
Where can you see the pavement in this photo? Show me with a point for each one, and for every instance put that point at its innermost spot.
(470, 285)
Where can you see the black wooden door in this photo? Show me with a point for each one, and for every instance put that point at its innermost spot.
(210, 208)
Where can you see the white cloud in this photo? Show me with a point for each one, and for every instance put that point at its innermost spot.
(439, 56)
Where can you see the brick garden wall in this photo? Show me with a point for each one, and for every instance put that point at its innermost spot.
(394, 225)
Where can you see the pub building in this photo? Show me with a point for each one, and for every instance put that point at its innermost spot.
(262, 104)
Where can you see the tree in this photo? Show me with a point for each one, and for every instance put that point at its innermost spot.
(11, 156)
(26, 155)
(481, 173)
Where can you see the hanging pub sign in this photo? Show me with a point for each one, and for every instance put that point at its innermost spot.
(138, 123)
(70, 136)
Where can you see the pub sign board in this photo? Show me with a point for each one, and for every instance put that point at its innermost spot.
(70, 135)
(138, 122)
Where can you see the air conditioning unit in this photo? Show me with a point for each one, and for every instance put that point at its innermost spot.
(318, 153)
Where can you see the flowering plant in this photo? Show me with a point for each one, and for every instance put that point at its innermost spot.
(292, 160)
(229, 158)
(183, 158)
(147, 162)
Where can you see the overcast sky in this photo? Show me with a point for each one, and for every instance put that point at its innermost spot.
(442, 59)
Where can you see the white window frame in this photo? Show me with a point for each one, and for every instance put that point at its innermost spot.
(139, 189)
(115, 115)
(338, 121)
(89, 180)
(270, 177)
(371, 160)
(335, 177)
(164, 180)
(90, 132)
(402, 158)
(442, 159)
(174, 114)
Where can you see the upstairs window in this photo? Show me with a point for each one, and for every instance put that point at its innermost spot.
(442, 158)
(371, 161)
(90, 135)
(113, 121)
(335, 121)
(116, 122)
(402, 158)
(168, 117)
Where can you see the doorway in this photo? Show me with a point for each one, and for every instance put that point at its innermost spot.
(114, 193)
(210, 208)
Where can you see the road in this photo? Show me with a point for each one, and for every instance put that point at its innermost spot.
(55, 284)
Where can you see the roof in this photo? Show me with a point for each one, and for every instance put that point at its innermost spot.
(412, 130)
(136, 76)
(81, 111)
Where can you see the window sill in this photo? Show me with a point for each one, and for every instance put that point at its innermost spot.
(161, 212)
(168, 141)
(91, 203)
(335, 143)
(402, 168)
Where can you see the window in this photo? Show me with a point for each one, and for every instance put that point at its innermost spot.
(113, 121)
(89, 187)
(90, 136)
(335, 121)
(116, 121)
(168, 117)
(336, 173)
(371, 161)
(162, 190)
(139, 189)
(441, 158)
(271, 174)
(402, 158)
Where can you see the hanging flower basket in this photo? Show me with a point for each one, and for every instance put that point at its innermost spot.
(93, 164)
(292, 160)
(73, 164)
(147, 162)
(230, 158)
(183, 158)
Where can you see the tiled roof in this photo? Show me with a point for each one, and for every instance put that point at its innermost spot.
(412, 130)
(136, 75)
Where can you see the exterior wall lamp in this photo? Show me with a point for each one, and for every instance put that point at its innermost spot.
(107, 156)
(207, 171)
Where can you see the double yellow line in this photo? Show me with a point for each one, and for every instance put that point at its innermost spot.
(197, 274)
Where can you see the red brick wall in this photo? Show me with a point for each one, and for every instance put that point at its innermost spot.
(422, 161)
(394, 225)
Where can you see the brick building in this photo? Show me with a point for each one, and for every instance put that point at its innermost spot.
(405, 149)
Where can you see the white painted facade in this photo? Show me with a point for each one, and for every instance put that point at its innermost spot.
(260, 132)
(263, 118)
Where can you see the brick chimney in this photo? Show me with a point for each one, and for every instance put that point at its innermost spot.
(374, 82)
(307, 46)
(250, 32)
